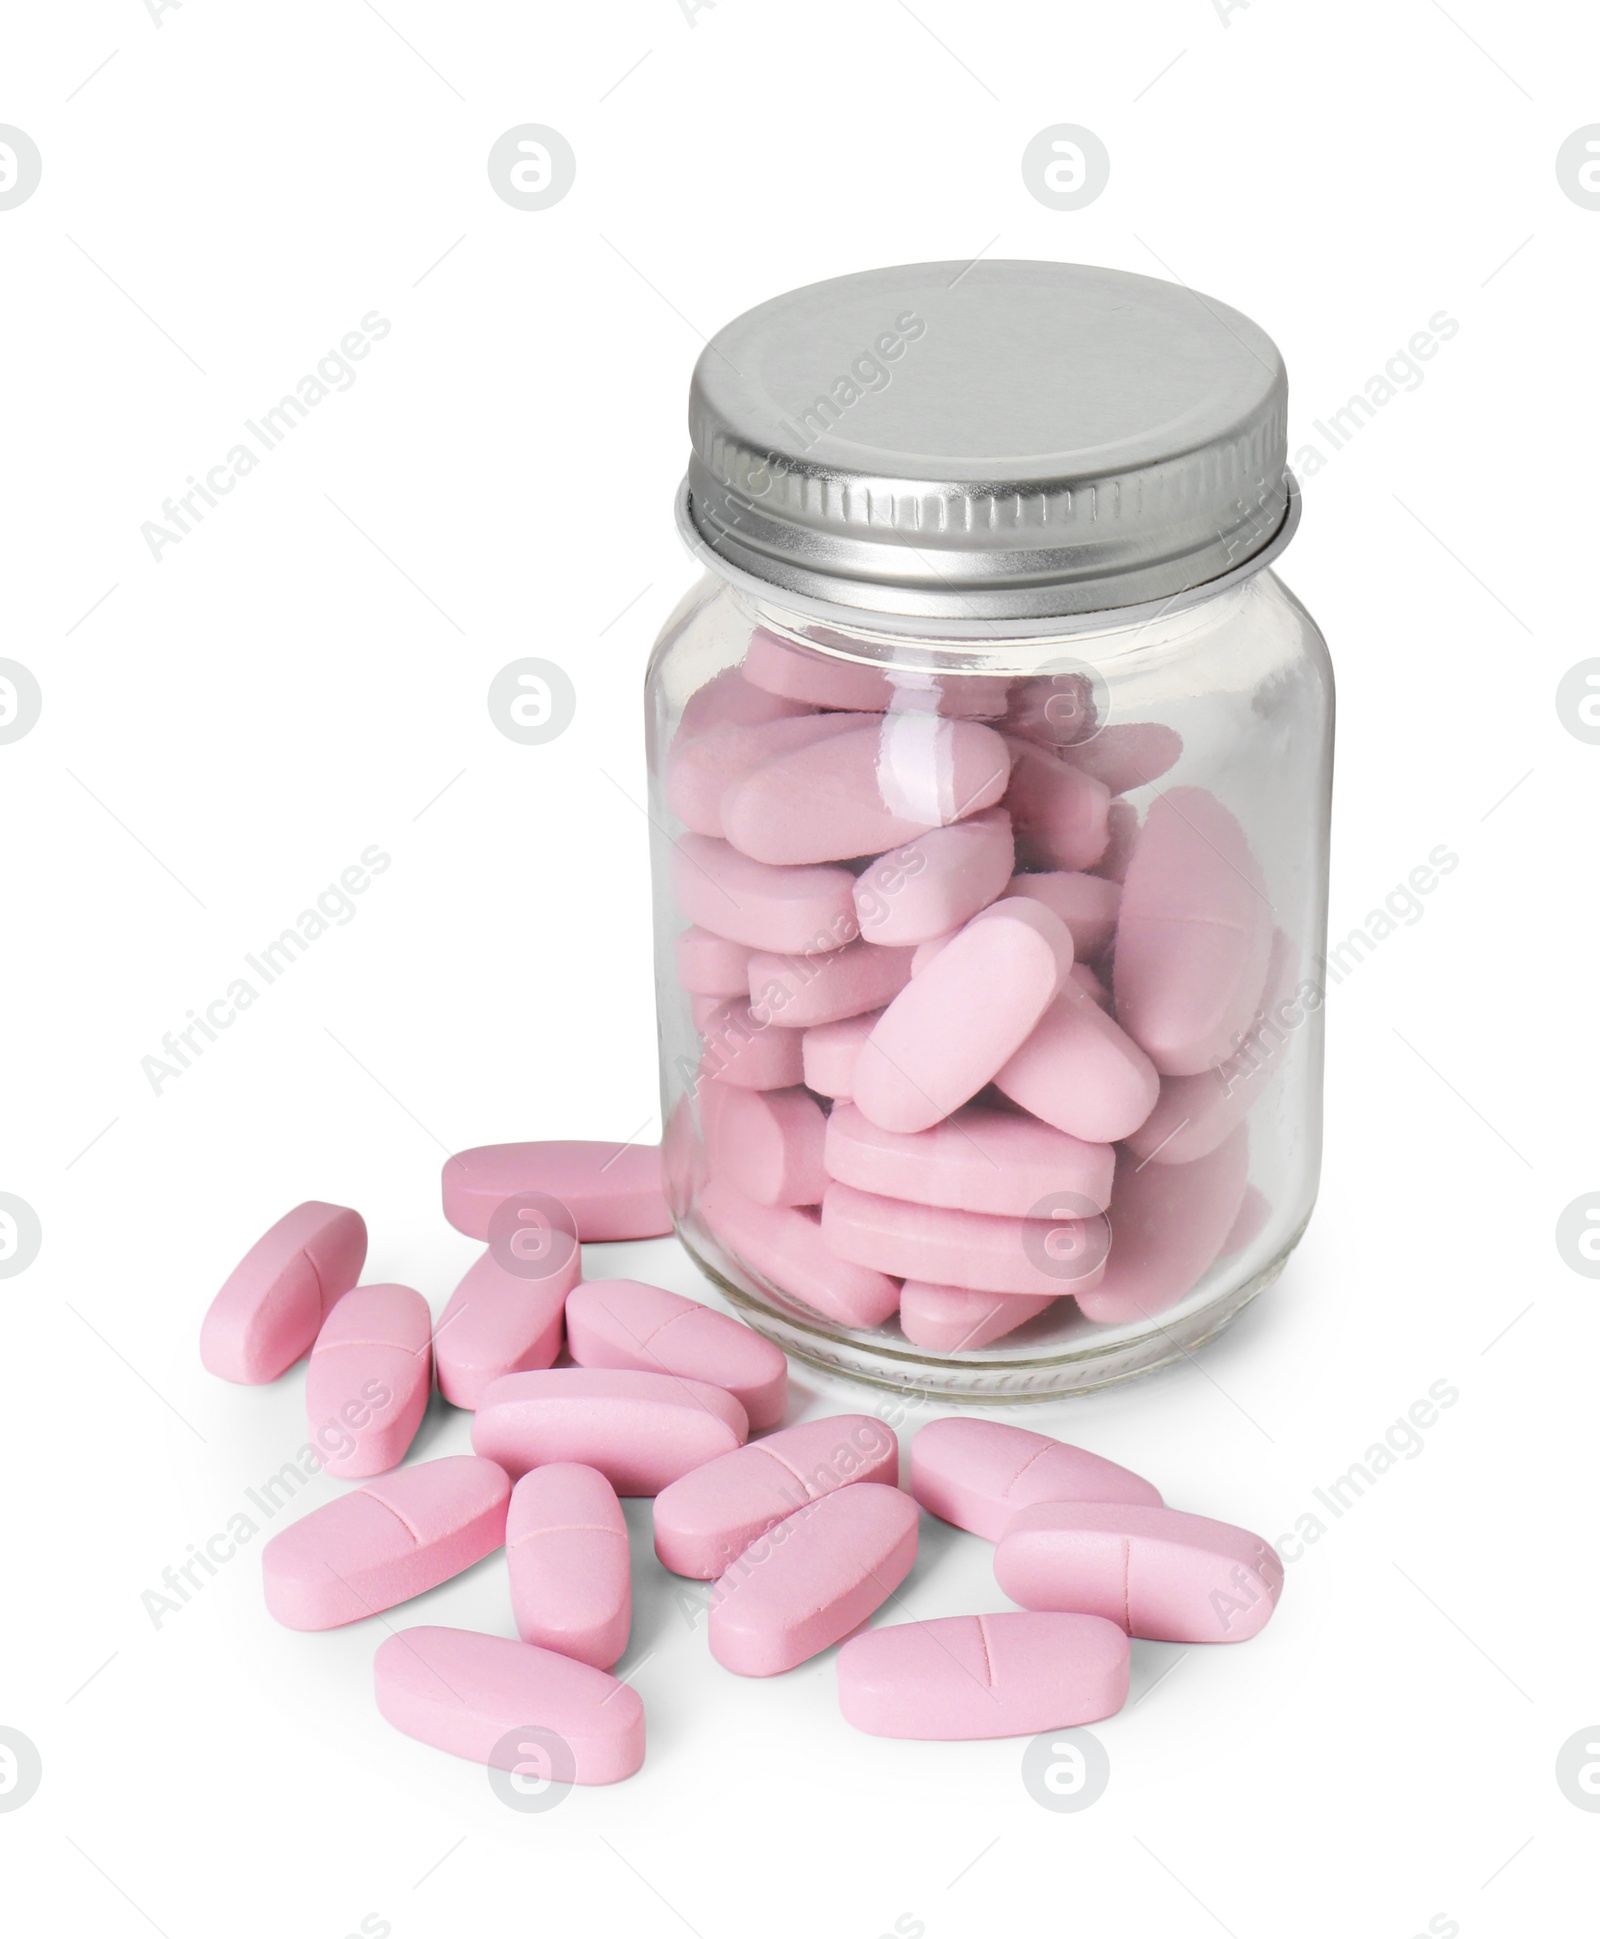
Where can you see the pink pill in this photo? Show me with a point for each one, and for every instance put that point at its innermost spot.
(951, 1319)
(1194, 1114)
(785, 1244)
(748, 1051)
(1154, 1572)
(811, 1578)
(710, 1517)
(701, 772)
(1058, 814)
(612, 1191)
(823, 680)
(978, 1475)
(1194, 934)
(1081, 1072)
(1010, 1675)
(964, 1016)
(273, 1303)
(385, 1542)
(729, 700)
(831, 1051)
(1122, 831)
(861, 792)
(801, 991)
(973, 1249)
(710, 965)
(979, 1159)
(641, 1430)
(623, 1323)
(1168, 1224)
(767, 1144)
(801, 909)
(567, 1554)
(510, 1705)
(497, 1322)
(1087, 904)
(368, 1382)
(1130, 755)
(933, 884)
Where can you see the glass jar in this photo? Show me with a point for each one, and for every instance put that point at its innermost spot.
(990, 768)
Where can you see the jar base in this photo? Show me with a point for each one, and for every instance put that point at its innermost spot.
(1001, 1376)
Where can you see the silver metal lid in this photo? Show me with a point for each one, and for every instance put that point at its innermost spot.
(993, 441)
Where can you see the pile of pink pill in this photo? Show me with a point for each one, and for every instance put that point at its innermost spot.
(805, 1530)
(968, 1027)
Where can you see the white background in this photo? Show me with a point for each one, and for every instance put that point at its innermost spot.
(305, 674)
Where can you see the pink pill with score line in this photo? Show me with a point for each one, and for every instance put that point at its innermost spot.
(369, 1378)
(812, 1578)
(510, 1705)
(624, 1323)
(612, 1191)
(567, 1556)
(385, 1542)
(273, 1303)
(963, 1677)
(1155, 1572)
(641, 1430)
(979, 1475)
(713, 1515)
(963, 1017)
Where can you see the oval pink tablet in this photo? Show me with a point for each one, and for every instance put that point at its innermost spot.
(368, 1382)
(811, 1578)
(612, 1191)
(1193, 936)
(711, 1516)
(861, 792)
(510, 1705)
(936, 882)
(952, 1319)
(830, 1052)
(979, 1474)
(1087, 904)
(729, 700)
(385, 1542)
(799, 991)
(963, 1016)
(641, 1430)
(700, 772)
(1168, 1224)
(1009, 1675)
(273, 1303)
(567, 1554)
(1128, 754)
(1080, 1071)
(978, 1160)
(1155, 1572)
(1194, 1114)
(767, 1144)
(973, 1249)
(623, 1323)
(754, 903)
(748, 1051)
(786, 1245)
(779, 666)
(710, 965)
(498, 1323)
(1058, 814)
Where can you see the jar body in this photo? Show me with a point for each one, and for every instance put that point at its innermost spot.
(1075, 1146)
